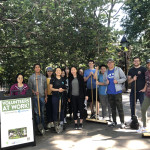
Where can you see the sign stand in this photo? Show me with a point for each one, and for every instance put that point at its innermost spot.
(16, 122)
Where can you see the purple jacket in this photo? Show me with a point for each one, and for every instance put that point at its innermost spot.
(15, 88)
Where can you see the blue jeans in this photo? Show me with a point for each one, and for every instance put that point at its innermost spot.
(36, 111)
(140, 96)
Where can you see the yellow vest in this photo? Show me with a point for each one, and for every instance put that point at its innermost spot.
(49, 92)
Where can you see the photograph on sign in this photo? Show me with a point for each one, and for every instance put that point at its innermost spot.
(17, 133)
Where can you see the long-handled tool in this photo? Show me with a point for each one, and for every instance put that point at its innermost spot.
(96, 100)
(93, 119)
(134, 123)
(59, 127)
(40, 126)
(92, 109)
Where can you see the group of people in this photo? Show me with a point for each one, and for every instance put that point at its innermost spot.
(65, 88)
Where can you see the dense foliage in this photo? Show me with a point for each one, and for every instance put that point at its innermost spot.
(54, 32)
(137, 27)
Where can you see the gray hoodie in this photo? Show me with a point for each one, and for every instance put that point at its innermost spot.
(42, 84)
(118, 75)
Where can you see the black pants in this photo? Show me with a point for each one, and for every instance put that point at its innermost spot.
(77, 105)
(115, 101)
(55, 103)
(49, 109)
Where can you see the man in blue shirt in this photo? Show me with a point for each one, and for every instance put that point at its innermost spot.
(103, 97)
(91, 87)
(114, 77)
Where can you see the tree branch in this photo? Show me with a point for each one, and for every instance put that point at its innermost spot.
(118, 11)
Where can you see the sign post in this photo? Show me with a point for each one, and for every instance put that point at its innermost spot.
(16, 122)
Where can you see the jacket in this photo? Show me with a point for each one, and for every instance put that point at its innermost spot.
(119, 76)
(14, 90)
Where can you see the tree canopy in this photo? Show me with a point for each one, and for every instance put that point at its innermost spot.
(56, 32)
(137, 27)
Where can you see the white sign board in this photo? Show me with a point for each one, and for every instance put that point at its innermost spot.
(16, 122)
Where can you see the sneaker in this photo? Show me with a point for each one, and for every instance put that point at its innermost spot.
(128, 122)
(113, 124)
(61, 122)
(46, 129)
(142, 130)
(65, 120)
(80, 126)
(50, 125)
(92, 116)
(122, 126)
(76, 126)
(98, 117)
(105, 118)
(42, 132)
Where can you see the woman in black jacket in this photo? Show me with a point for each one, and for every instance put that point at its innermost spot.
(77, 94)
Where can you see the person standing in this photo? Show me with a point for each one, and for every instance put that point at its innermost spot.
(103, 97)
(114, 77)
(49, 107)
(63, 75)
(91, 87)
(136, 74)
(58, 87)
(69, 105)
(77, 94)
(39, 78)
(146, 102)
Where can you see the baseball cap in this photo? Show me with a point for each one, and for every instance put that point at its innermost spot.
(49, 69)
(110, 60)
(148, 61)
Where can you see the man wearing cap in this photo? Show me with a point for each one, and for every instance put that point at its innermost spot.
(113, 78)
(146, 102)
(136, 75)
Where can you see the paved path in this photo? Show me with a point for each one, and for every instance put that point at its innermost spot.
(94, 136)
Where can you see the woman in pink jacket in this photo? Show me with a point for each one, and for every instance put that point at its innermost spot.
(19, 88)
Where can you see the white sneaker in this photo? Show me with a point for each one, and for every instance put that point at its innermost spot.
(65, 120)
(142, 130)
(105, 118)
(128, 122)
(98, 117)
(52, 125)
(61, 122)
(122, 126)
(49, 125)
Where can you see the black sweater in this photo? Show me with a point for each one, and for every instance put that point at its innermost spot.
(82, 90)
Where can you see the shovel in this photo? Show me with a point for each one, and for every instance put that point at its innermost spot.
(59, 127)
(40, 126)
